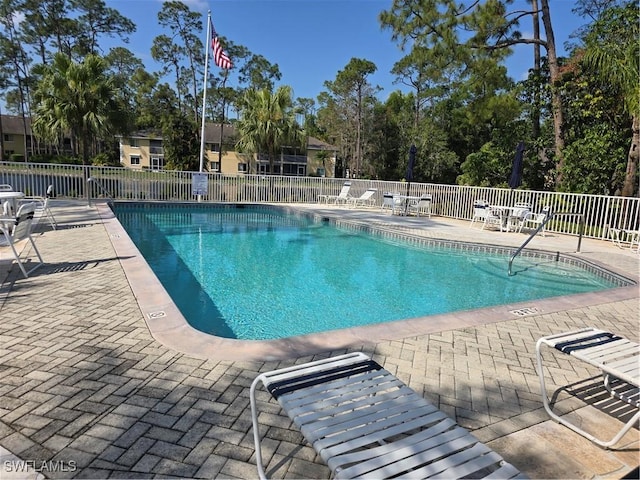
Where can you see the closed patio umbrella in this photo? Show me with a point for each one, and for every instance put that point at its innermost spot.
(409, 175)
(411, 164)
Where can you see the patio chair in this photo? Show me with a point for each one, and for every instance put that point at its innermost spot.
(517, 216)
(342, 197)
(5, 187)
(365, 200)
(495, 217)
(479, 211)
(534, 220)
(421, 206)
(622, 237)
(42, 206)
(617, 358)
(393, 202)
(387, 201)
(20, 230)
(364, 422)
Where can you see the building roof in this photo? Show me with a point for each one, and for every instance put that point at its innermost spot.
(317, 144)
(13, 124)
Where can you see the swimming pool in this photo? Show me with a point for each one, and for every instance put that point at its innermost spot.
(261, 273)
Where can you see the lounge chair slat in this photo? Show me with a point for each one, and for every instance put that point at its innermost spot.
(505, 471)
(428, 462)
(368, 434)
(609, 353)
(348, 424)
(471, 463)
(403, 459)
(320, 410)
(340, 390)
(338, 458)
(394, 404)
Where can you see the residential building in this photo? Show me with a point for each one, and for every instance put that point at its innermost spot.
(14, 142)
(143, 150)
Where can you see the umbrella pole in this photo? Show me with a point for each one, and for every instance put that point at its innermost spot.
(406, 200)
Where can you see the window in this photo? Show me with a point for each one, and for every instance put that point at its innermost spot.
(134, 142)
(134, 159)
(157, 163)
(242, 167)
(8, 137)
(215, 166)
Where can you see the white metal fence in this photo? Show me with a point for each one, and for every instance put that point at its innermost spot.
(71, 181)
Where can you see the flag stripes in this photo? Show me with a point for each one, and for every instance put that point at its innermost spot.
(219, 56)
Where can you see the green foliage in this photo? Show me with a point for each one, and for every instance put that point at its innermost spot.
(346, 110)
(485, 168)
(181, 142)
(612, 56)
(106, 160)
(77, 98)
(592, 162)
(268, 123)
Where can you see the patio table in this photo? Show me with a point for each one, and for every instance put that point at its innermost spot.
(11, 197)
(406, 199)
(510, 214)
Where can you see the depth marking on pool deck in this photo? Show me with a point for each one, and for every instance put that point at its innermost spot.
(521, 312)
(159, 314)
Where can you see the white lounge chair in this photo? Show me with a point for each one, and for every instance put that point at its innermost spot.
(17, 230)
(364, 422)
(365, 200)
(342, 197)
(617, 358)
(421, 206)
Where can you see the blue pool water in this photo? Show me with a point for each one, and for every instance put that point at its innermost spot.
(262, 274)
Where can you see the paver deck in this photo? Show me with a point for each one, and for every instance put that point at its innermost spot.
(86, 391)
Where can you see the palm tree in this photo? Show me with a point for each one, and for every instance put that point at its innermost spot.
(613, 53)
(78, 99)
(268, 122)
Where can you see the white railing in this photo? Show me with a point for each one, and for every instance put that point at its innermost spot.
(70, 181)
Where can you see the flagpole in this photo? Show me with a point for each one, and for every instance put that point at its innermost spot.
(204, 93)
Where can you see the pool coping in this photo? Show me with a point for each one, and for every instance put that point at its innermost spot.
(168, 326)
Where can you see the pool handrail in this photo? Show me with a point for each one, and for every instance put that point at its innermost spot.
(549, 216)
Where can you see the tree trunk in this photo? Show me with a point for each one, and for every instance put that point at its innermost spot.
(556, 99)
(629, 187)
(535, 115)
(359, 133)
(1, 137)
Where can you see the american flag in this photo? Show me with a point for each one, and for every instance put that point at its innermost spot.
(221, 58)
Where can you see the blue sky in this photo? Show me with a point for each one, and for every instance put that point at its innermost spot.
(311, 40)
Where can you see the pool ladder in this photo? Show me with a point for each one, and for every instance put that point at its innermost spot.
(99, 185)
(550, 215)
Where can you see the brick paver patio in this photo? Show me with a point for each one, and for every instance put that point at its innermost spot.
(87, 392)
